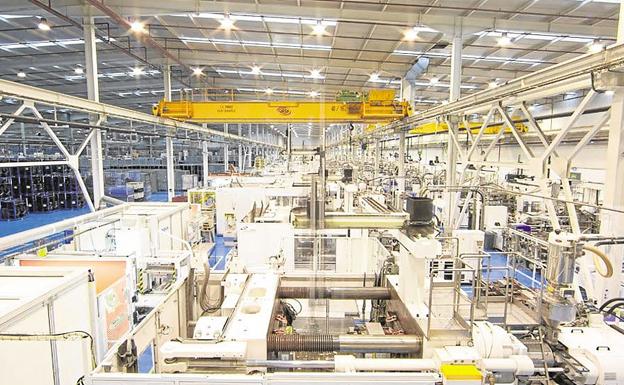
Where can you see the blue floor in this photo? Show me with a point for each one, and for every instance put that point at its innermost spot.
(523, 274)
(217, 259)
(33, 220)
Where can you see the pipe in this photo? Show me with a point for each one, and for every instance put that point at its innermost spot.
(297, 364)
(334, 292)
(347, 343)
(599, 255)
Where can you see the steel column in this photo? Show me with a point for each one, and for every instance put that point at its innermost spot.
(93, 93)
(451, 155)
(612, 223)
(170, 169)
(205, 164)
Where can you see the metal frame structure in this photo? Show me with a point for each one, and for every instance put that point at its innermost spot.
(31, 96)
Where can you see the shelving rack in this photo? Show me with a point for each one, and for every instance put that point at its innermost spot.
(37, 189)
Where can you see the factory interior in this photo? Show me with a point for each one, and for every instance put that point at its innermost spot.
(305, 192)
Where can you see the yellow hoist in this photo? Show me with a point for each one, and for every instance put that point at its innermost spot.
(375, 106)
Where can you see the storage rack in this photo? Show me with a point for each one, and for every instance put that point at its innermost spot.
(37, 189)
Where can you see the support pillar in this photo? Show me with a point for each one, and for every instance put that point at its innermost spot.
(205, 164)
(401, 171)
(170, 169)
(226, 150)
(451, 159)
(241, 166)
(93, 93)
(613, 223)
(167, 82)
(169, 139)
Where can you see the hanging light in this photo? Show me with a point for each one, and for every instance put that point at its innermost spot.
(137, 71)
(374, 77)
(504, 39)
(319, 28)
(255, 70)
(316, 74)
(78, 71)
(21, 74)
(313, 94)
(268, 91)
(492, 84)
(43, 24)
(137, 27)
(434, 80)
(596, 46)
(226, 22)
(198, 71)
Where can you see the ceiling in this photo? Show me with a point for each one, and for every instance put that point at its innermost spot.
(363, 44)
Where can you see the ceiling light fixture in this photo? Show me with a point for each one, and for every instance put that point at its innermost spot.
(596, 46)
(137, 71)
(313, 94)
(319, 28)
(78, 71)
(316, 74)
(434, 80)
(374, 77)
(268, 91)
(410, 34)
(492, 84)
(137, 27)
(21, 74)
(255, 70)
(226, 22)
(43, 24)
(198, 71)
(504, 39)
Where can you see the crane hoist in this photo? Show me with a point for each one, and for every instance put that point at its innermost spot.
(374, 106)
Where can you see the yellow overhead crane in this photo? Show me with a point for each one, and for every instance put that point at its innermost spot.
(375, 106)
(439, 127)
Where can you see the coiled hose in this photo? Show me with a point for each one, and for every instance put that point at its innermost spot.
(600, 256)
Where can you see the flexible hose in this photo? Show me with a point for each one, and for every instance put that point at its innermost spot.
(609, 302)
(599, 255)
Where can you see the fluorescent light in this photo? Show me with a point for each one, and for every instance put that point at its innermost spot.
(198, 71)
(21, 74)
(137, 27)
(498, 59)
(255, 70)
(504, 40)
(226, 22)
(252, 43)
(43, 24)
(78, 71)
(595, 46)
(263, 73)
(319, 28)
